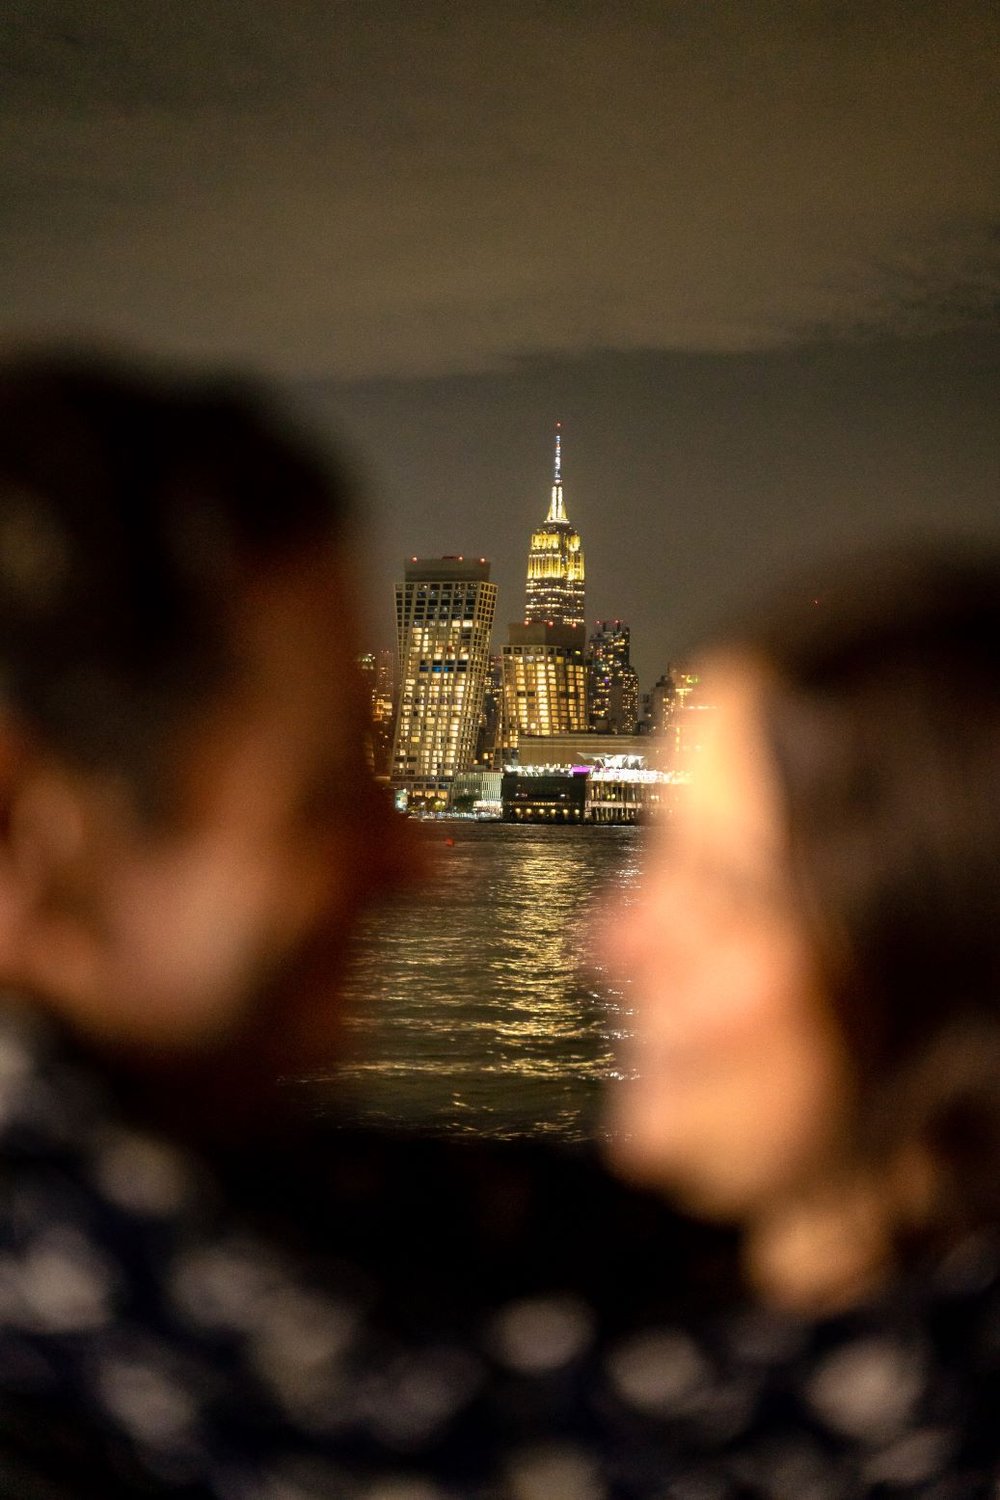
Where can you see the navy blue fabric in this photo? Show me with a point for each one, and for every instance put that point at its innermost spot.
(432, 1323)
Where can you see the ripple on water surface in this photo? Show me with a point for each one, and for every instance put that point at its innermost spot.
(474, 1006)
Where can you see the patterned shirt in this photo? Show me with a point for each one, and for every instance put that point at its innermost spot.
(481, 1325)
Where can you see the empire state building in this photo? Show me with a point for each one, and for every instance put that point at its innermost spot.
(544, 672)
(555, 562)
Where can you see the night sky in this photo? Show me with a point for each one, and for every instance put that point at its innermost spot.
(746, 251)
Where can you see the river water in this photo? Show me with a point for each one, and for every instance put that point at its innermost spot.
(474, 1006)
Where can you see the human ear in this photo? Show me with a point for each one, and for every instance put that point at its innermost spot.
(48, 944)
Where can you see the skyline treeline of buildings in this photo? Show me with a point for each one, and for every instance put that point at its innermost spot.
(447, 706)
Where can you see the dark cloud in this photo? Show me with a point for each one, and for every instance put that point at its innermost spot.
(395, 188)
(746, 249)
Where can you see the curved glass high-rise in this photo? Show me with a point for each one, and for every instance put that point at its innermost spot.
(444, 615)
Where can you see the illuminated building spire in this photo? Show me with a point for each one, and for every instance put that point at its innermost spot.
(555, 562)
(557, 511)
(544, 673)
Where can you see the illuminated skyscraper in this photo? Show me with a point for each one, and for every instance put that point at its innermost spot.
(544, 672)
(444, 615)
(691, 714)
(545, 680)
(377, 674)
(612, 683)
(555, 562)
(659, 703)
(490, 739)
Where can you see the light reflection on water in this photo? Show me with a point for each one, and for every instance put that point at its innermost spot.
(475, 1006)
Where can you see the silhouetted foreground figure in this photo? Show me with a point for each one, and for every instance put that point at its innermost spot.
(816, 975)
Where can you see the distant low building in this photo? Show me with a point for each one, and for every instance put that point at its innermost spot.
(574, 779)
(584, 749)
(624, 790)
(544, 795)
(477, 792)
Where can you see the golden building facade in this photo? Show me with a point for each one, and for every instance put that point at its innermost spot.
(444, 618)
(556, 572)
(545, 680)
(543, 664)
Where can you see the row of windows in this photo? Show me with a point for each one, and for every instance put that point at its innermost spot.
(439, 617)
(429, 763)
(448, 595)
(545, 655)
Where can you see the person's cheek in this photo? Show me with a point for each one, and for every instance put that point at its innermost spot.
(185, 937)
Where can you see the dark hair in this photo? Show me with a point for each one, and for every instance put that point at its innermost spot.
(884, 717)
(134, 502)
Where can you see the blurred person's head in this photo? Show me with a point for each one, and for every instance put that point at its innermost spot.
(187, 823)
(815, 956)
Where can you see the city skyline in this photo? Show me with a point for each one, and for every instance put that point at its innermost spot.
(747, 253)
(699, 480)
(459, 719)
(554, 595)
